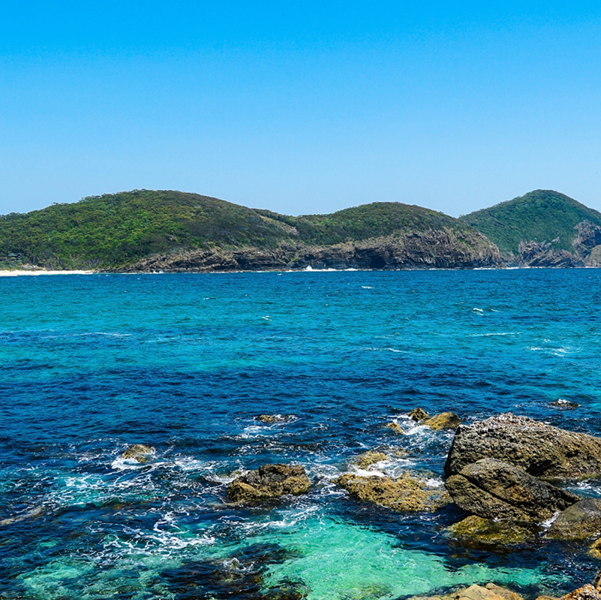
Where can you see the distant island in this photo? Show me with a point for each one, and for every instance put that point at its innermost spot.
(164, 230)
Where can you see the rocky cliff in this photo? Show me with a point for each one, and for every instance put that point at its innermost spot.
(445, 248)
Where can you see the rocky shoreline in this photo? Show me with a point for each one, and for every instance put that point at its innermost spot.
(506, 473)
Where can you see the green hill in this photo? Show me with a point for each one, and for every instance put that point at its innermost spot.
(117, 230)
(539, 216)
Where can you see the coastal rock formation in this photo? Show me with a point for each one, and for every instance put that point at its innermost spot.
(402, 494)
(418, 414)
(543, 254)
(445, 248)
(490, 592)
(368, 458)
(270, 480)
(587, 591)
(394, 427)
(483, 531)
(138, 452)
(542, 450)
(579, 521)
(442, 421)
(275, 418)
(494, 489)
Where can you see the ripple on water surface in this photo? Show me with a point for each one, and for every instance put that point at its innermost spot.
(186, 363)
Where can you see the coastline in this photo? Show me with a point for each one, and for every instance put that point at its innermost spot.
(17, 272)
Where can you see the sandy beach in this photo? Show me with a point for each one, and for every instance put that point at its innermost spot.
(17, 272)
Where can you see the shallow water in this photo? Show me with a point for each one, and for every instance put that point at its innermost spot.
(93, 363)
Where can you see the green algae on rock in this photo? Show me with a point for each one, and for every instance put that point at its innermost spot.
(368, 458)
(269, 481)
(442, 421)
(401, 494)
(483, 531)
(138, 452)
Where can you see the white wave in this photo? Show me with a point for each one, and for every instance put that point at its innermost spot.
(547, 523)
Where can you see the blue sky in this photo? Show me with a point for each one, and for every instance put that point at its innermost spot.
(300, 107)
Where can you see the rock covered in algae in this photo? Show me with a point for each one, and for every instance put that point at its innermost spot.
(579, 521)
(368, 458)
(490, 488)
(274, 418)
(394, 427)
(269, 481)
(483, 531)
(540, 449)
(401, 494)
(442, 421)
(418, 414)
(138, 452)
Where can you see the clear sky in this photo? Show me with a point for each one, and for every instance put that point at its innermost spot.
(300, 107)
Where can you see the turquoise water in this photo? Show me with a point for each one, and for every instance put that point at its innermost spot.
(184, 363)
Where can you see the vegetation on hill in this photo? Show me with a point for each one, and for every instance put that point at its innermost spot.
(539, 216)
(116, 230)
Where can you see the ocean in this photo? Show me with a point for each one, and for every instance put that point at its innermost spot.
(186, 362)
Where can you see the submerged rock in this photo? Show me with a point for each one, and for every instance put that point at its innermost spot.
(401, 494)
(368, 458)
(490, 488)
(483, 531)
(564, 404)
(442, 421)
(542, 450)
(269, 481)
(394, 427)
(275, 418)
(579, 521)
(138, 452)
(418, 414)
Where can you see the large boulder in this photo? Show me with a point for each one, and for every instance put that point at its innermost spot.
(269, 481)
(401, 494)
(578, 522)
(493, 489)
(542, 450)
(489, 592)
(418, 414)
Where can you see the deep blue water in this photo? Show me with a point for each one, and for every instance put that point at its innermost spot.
(90, 364)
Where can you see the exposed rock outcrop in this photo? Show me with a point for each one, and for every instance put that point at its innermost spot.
(394, 427)
(542, 450)
(368, 458)
(490, 592)
(543, 254)
(494, 489)
(579, 521)
(418, 414)
(275, 418)
(444, 248)
(138, 452)
(487, 532)
(269, 481)
(401, 494)
(442, 421)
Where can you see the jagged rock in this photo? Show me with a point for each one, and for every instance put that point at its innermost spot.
(482, 531)
(394, 427)
(490, 488)
(270, 480)
(564, 404)
(418, 414)
(542, 450)
(584, 592)
(402, 494)
(543, 254)
(276, 418)
(368, 458)
(579, 521)
(138, 452)
(442, 421)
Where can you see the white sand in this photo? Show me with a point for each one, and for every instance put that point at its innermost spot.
(16, 272)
